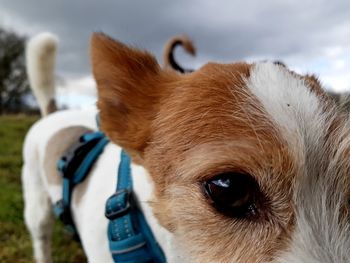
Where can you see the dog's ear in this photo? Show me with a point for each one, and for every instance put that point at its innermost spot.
(129, 89)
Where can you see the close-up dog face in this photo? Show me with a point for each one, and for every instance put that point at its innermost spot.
(249, 161)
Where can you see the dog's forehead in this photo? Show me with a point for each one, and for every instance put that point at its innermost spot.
(265, 114)
(262, 106)
(222, 100)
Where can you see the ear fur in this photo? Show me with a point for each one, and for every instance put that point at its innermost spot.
(129, 89)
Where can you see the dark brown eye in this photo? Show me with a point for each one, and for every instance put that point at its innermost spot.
(234, 194)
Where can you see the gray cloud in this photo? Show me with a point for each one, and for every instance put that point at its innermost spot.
(223, 30)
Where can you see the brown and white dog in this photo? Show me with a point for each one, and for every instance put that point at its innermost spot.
(232, 163)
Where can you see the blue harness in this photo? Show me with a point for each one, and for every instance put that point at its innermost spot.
(130, 237)
(74, 167)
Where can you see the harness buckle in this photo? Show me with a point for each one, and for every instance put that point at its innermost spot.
(118, 204)
(62, 212)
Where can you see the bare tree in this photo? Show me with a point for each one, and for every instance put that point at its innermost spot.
(13, 79)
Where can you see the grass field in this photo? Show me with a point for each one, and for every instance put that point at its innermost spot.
(15, 245)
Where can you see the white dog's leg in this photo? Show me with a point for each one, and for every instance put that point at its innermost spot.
(38, 212)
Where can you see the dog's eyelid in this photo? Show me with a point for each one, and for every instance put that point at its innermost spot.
(211, 173)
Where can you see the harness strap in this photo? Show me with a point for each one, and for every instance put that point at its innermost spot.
(130, 238)
(75, 167)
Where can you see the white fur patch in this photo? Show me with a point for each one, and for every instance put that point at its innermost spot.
(321, 232)
(290, 103)
(40, 60)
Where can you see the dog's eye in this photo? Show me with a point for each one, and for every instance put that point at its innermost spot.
(234, 194)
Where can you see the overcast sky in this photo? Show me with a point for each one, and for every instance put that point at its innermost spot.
(309, 36)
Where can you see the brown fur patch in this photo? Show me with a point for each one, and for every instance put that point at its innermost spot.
(129, 84)
(51, 107)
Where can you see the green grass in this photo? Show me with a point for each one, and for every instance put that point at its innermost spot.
(15, 244)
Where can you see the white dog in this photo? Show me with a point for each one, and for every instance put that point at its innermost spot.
(45, 143)
(245, 162)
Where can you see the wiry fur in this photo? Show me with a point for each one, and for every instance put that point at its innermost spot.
(260, 119)
(40, 58)
(263, 119)
(322, 232)
(321, 198)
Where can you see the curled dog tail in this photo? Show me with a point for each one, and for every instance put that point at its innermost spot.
(40, 61)
(168, 54)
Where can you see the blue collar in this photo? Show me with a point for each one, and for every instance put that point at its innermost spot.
(130, 237)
